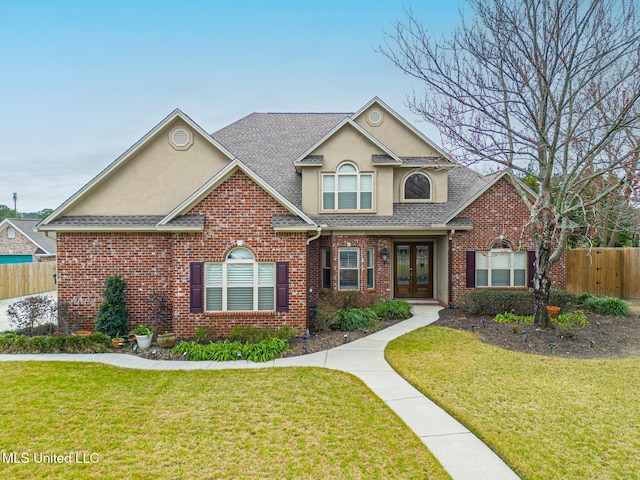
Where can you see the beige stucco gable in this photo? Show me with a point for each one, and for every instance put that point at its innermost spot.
(347, 144)
(394, 134)
(155, 178)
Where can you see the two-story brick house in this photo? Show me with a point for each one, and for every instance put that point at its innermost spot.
(246, 225)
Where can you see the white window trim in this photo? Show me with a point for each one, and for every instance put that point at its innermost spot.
(256, 284)
(325, 252)
(371, 251)
(357, 269)
(512, 268)
(431, 187)
(358, 174)
(11, 232)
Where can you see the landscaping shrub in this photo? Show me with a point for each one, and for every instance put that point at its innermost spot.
(30, 314)
(392, 309)
(508, 317)
(95, 343)
(583, 297)
(573, 318)
(263, 351)
(492, 302)
(249, 334)
(112, 317)
(324, 318)
(348, 299)
(355, 318)
(205, 334)
(611, 306)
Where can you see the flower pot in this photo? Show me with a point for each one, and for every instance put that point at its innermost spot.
(553, 311)
(166, 340)
(81, 333)
(144, 341)
(117, 342)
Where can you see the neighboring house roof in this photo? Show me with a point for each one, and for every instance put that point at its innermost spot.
(26, 226)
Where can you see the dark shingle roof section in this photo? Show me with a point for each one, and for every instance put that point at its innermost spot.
(427, 162)
(377, 159)
(288, 221)
(268, 143)
(316, 160)
(27, 225)
(118, 222)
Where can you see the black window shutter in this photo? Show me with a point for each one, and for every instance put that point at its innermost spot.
(531, 267)
(196, 290)
(282, 286)
(471, 269)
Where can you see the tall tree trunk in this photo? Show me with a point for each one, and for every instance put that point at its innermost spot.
(544, 225)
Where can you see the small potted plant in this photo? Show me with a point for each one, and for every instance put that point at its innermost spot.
(553, 311)
(143, 336)
(166, 340)
(117, 341)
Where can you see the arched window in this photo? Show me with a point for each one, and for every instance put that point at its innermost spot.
(347, 189)
(11, 232)
(417, 187)
(240, 283)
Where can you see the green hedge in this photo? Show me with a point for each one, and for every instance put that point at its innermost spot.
(492, 302)
(612, 306)
(15, 343)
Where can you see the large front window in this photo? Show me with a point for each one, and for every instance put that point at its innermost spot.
(349, 268)
(240, 283)
(347, 189)
(501, 268)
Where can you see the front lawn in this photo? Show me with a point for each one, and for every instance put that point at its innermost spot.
(272, 423)
(546, 417)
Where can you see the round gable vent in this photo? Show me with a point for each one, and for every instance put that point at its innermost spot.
(374, 118)
(180, 137)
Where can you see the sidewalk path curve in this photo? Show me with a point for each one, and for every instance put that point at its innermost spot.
(459, 451)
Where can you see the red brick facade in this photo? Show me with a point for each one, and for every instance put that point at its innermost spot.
(237, 211)
(498, 211)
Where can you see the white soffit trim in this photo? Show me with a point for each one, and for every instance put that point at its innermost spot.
(220, 177)
(398, 117)
(344, 122)
(177, 113)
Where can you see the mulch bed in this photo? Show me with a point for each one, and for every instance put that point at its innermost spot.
(317, 342)
(615, 337)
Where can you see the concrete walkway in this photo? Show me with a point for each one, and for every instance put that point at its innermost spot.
(459, 451)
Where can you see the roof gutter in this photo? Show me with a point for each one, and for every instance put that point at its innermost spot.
(316, 236)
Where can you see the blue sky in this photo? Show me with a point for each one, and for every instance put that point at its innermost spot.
(81, 81)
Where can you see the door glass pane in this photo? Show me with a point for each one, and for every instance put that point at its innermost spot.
(403, 265)
(422, 265)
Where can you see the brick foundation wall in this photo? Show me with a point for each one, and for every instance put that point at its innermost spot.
(237, 210)
(498, 211)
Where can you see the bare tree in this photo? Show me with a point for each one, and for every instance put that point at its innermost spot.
(543, 88)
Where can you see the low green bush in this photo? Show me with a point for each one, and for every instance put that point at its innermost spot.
(247, 334)
(512, 318)
(573, 318)
(610, 306)
(492, 302)
(263, 351)
(392, 309)
(356, 318)
(15, 343)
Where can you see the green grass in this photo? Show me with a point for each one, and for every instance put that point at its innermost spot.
(546, 417)
(273, 423)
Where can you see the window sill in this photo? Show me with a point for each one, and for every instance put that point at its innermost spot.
(254, 313)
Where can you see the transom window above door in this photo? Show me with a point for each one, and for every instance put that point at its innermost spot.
(347, 189)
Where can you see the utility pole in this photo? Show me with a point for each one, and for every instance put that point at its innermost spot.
(15, 204)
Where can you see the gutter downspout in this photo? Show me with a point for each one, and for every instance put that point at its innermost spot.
(309, 291)
(450, 275)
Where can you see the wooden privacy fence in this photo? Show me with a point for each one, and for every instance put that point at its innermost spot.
(610, 272)
(19, 279)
